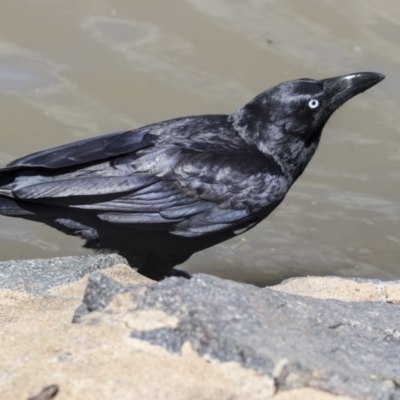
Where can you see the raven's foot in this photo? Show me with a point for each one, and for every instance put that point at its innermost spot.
(178, 273)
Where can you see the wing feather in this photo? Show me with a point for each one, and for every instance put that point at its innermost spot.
(161, 176)
(87, 150)
(82, 187)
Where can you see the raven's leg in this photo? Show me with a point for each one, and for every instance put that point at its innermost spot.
(157, 266)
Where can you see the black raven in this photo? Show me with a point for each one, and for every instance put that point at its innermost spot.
(162, 192)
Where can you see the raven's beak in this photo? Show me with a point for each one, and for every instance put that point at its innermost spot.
(342, 88)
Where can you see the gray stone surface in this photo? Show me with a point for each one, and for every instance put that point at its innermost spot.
(348, 348)
(342, 347)
(99, 292)
(166, 337)
(38, 276)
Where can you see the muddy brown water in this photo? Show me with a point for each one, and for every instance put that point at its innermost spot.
(71, 70)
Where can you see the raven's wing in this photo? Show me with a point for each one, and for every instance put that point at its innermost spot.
(190, 176)
(186, 192)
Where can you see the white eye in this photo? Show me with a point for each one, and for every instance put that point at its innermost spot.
(313, 104)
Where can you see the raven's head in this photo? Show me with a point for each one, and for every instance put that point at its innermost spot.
(286, 121)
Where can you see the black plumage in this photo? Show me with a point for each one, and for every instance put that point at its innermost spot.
(162, 192)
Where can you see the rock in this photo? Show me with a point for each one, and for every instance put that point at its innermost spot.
(346, 348)
(38, 276)
(204, 338)
(99, 292)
